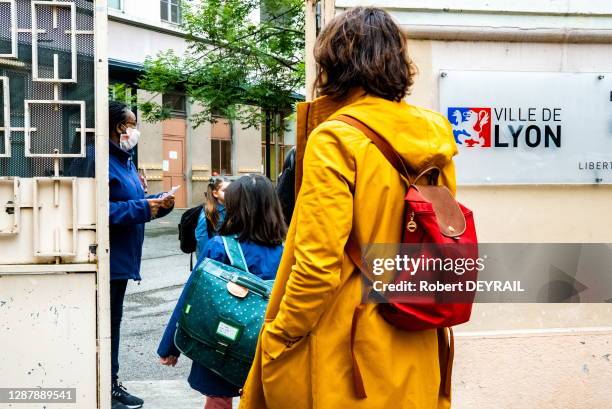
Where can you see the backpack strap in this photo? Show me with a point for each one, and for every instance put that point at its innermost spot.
(389, 153)
(432, 172)
(234, 252)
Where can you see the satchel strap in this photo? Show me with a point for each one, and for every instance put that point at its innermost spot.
(234, 252)
(389, 153)
(446, 355)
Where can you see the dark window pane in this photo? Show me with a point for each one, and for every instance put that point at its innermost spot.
(215, 156)
(174, 15)
(176, 102)
(226, 157)
(164, 10)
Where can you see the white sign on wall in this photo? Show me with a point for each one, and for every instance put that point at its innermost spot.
(530, 127)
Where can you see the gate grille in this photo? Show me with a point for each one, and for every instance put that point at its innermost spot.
(49, 77)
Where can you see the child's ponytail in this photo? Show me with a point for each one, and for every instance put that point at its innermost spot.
(210, 204)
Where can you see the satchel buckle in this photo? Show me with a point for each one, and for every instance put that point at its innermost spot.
(237, 290)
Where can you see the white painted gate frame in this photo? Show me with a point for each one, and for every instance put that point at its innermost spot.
(103, 251)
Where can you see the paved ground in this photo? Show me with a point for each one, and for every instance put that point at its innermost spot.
(168, 395)
(148, 305)
(147, 308)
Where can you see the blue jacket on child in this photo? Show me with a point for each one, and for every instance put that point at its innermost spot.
(262, 261)
(201, 231)
(128, 212)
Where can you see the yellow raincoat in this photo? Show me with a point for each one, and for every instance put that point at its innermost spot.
(348, 188)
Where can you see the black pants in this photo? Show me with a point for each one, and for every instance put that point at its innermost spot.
(117, 294)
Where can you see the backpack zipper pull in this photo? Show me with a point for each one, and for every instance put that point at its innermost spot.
(411, 226)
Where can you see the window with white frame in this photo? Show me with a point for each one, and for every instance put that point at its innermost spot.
(171, 11)
(116, 4)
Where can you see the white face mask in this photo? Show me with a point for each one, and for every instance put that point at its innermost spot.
(129, 139)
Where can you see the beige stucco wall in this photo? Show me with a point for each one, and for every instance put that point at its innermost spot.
(199, 149)
(247, 149)
(150, 146)
(556, 370)
(143, 41)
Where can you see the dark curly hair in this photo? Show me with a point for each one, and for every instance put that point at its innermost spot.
(363, 47)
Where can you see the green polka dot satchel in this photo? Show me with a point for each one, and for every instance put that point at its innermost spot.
(223, 315)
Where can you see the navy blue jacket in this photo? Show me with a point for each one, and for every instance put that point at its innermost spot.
(262, 261)
(128, 212)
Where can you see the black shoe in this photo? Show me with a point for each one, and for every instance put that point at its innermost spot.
(120, 395)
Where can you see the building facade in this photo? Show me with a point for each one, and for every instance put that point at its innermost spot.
(175, 152)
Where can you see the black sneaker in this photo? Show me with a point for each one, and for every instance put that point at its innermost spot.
(120, 395)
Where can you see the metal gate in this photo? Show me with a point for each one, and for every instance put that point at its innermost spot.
(54, 328)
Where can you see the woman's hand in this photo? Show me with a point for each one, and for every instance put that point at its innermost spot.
(168, 202)
(155, 204)
(170, 360)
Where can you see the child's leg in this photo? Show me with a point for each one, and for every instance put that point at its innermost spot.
(215, 402)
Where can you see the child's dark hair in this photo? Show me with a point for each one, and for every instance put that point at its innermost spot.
(210, 205)
(253, 211)
(117, 113)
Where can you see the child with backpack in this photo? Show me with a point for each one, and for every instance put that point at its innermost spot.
(212, 214)
(202, 222)
(254, 217)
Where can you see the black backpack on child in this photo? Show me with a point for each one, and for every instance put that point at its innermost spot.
(285, 188)
(187, 227)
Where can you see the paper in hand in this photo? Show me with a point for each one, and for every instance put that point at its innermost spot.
(171, 192)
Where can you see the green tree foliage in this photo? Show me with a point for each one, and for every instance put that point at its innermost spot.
(238, 65)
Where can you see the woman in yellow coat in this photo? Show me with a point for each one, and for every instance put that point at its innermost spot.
(350, 193)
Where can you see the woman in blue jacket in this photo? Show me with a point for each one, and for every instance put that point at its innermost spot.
(212, 214)
(253, 214)
(129, 210)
